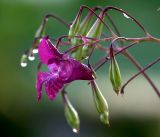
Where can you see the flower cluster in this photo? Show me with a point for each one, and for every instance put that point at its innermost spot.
(84, 37)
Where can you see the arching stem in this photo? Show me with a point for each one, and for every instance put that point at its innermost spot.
(140, 72)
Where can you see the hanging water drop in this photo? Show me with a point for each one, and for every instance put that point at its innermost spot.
(23, 64)
(75, 130)
(31, 58)
(35, 51)
(126, 16)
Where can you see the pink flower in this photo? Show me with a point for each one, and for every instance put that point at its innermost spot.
(63, 69)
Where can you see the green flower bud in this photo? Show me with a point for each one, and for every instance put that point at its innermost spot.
(94, 32)
(74, 28)
(84, 27)
(77, 54)
(104, 117)
(41, 30)
(71, 115)
(115, 75)
(101, 103)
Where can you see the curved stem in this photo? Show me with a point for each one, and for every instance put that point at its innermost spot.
(111, 21)
(91, 52)
(124, 12)
(115, 27)
(40, 30)
(39, 66)
(57, 18)
(140, 72)
(95, 42)
(64, 96)
(133, 60)
(118, 52)
(84, 6)
(59, 40)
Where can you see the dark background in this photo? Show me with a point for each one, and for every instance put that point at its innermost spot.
(136, 114)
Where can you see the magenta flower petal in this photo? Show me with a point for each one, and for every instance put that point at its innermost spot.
(63, 69)
(47, 51)
(52, 84)
(79, 71)
(52, 88)
(41, 78)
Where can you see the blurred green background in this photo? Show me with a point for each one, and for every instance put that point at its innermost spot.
(136, 114)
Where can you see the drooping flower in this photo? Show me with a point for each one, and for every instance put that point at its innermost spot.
(63, 69)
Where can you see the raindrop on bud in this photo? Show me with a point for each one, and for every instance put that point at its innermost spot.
(31, 58)
(104, 117)
(71, 114)
(35, 51)
(126, 16)
(75, 130)
(23, 64)
(100, 103)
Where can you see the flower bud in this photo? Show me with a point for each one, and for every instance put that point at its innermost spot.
(74, 28)
(101, 103)
(114, 74)
(77, 54)
(94, 32)
(40, 31)
(71, 114)
(84, 27)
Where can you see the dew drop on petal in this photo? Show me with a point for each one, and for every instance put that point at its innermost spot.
(35, 51)
(126, 16)
(31, 58)
(23, 64)
(75, 130)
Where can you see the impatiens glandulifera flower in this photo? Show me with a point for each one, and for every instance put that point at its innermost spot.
(71, 114)
(101, 103)
(63, 69)
(114, 73)
(94, 32)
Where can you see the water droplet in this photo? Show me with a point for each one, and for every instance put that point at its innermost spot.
(126, 16)
(31, 58)
(75, 130)
(35, 51)
(23, 64)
